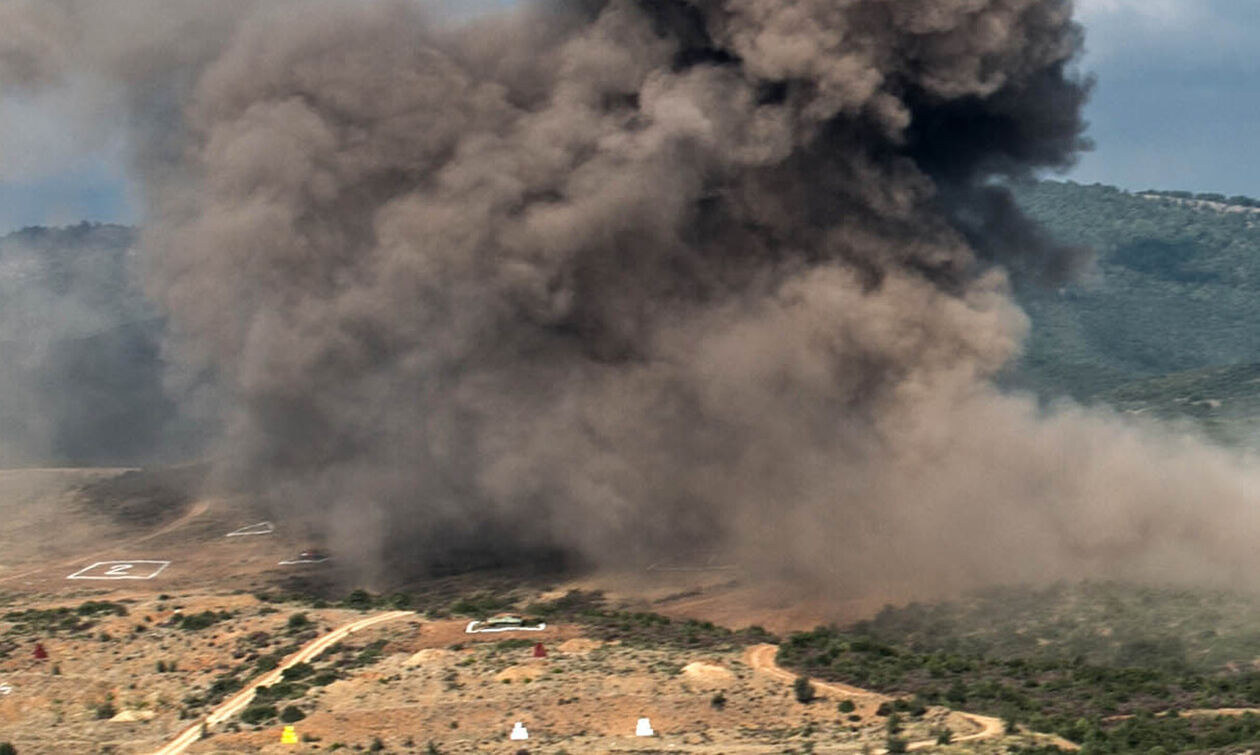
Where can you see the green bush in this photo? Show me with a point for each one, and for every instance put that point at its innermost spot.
(256, 714)
(291, 714)
(718, 701)
(298, 622)
(846, 706)
(297, 671)
(7, 749)
(804, 690)
(197, 621)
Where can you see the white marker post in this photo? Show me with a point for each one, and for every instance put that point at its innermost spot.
(519, 732)
(644, 728)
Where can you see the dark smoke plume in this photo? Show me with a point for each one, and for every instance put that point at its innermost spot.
(629, 277)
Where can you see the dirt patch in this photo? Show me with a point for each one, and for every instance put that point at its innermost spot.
(707, 675)
(524, 672)
(429, 656)
(579, 646)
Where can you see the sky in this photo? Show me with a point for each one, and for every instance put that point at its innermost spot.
(1176, 106)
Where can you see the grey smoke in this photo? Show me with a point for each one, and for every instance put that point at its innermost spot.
(632, 277)
(81, 369)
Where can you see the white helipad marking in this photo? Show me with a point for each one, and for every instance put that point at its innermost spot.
(135, 569)
(262, 528)
(472, 628)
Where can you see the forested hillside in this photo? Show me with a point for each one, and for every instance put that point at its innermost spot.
(1176, 289)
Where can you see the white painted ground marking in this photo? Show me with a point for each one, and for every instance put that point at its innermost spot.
(262, 528)
(303, 561)
(472, 628)
(134, 569)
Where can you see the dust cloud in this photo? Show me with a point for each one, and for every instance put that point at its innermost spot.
(635, 278)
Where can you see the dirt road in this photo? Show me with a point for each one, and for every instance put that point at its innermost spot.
(240, 700)
(762, 658)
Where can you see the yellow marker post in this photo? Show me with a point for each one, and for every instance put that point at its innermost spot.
(288, 736)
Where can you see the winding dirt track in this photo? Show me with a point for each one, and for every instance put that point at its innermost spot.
(237, 702)
(762, 658)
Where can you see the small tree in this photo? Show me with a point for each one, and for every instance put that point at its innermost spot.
(945, 736)
(893, 724)
(804, 690)
(846, 706)
(7, 749)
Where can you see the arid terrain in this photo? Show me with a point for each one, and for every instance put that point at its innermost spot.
(139, 651)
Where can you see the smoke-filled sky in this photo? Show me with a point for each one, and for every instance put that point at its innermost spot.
(1174, 108)
(629, 277)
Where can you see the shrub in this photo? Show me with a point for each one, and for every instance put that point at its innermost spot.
(804, 690)
(298, 622)
(196, 621)
(106, 710)
(297, 671)
(359, 599)
(945, 736)
(7, 749)
(292, 713)
(377, 745)
(896, 745)
(718, 701)
(847, 706)
(256, 714)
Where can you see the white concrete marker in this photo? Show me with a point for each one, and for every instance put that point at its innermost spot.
(644, 728)
(518, 732)
(121, 570)
(476, 627)
(262, 528)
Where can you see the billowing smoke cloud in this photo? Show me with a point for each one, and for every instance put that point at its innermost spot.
(636, 277)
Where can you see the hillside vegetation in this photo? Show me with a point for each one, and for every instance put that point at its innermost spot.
(1168, 321)
(1116, 668)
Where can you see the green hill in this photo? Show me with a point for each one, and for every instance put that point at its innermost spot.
(1176, 289)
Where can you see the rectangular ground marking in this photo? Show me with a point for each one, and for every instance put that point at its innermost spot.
(138, 569)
